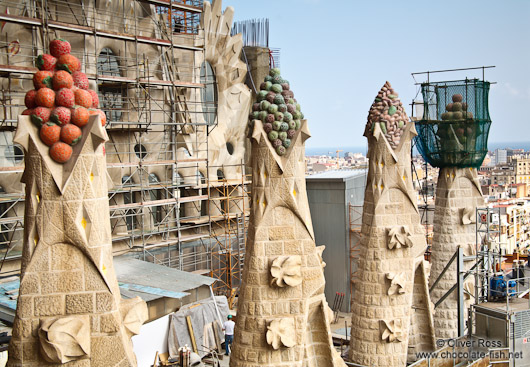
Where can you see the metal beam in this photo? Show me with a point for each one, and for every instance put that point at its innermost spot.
(460, 270)
(443, 271)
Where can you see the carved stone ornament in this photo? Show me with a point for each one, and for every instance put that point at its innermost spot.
(469, 289)
(398, 237)
(287, 271)
(281, 333)
(397, 283)
(391, 331)
(134, 313)
(468, 215)
(320, 251)
(470, 249)
(65, 339)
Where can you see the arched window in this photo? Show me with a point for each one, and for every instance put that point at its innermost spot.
(209, 93)
(220, 174)
(229, 148)
(140, 151)
(128, 198)
(202, 178)
(155, 194)
(111, 94)
(14, 153)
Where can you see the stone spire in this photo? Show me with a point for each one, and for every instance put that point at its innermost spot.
(391, 310)
(69, 308)
(283, 318)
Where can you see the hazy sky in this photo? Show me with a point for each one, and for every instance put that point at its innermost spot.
(338, 54)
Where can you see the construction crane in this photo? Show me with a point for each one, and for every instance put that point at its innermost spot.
(338, 151)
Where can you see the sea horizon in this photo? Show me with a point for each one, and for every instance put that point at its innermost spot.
(331, 151)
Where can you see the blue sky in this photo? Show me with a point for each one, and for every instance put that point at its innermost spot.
(338, 54)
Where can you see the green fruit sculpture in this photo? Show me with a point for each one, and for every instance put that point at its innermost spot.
(278, 109)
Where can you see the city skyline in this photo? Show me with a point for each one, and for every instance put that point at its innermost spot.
(338, 56)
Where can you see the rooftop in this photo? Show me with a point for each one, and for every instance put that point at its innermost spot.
(338, 174)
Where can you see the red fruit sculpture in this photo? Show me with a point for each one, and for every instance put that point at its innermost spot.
(60, 47)
(62, 102)
(42, 79)
(69, 63)
(40, 116)
(29, 99)
(61, 152)
(83, 98)
(80, 80)
(61, 115)
(62, 79)
(95, 98)
(70, 134)
(45, 97)
(65, 97)
(50, 133)
(46, 62)
(80, 116)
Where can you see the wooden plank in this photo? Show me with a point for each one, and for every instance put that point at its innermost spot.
(216, 336)
(156, 359)
(192, 336)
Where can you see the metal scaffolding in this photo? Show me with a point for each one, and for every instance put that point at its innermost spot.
(142, 57)
(355, 213)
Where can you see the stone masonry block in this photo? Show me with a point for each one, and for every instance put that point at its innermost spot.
(66, 257)
(30, 351)
(49, 306)
(274, 248)
(79, 303)
(109, 323)
(29, 284)
(110, 351)
(104, 302)
(63, 282)
(25, 306)
(281, 233)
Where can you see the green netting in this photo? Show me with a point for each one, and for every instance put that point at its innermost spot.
(456, 122)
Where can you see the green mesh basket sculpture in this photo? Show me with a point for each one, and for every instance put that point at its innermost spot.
(455, 125)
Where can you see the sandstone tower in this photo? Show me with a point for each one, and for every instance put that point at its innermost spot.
(283, 317)
(453, 136)
(391, 310)
(458, 194)
(69, 308)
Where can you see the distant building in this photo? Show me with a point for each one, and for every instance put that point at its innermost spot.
(521, 164)
(336, 201)
(503, 174)
(500, 156)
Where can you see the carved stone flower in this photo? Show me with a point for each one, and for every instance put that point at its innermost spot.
(281, 333)
(65, 339)
(134, 312)
(391, 331)
(287, 271)
(468, 215)
(397, 283)
(399, 236)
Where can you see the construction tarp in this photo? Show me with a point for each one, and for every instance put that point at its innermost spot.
(204, 317)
